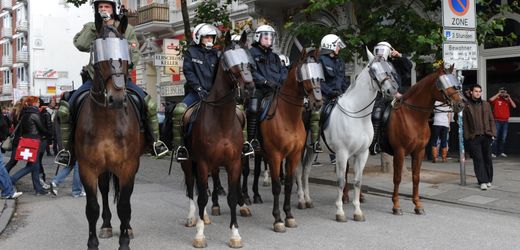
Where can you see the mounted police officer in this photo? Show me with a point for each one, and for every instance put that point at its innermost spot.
(335, 84)
(83, 41)
(199, 66)
(268, 75)
(402, 66)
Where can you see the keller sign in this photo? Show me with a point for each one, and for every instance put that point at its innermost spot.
(458, 14)
(167, 60)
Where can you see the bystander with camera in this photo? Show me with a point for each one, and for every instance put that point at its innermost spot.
(501, 103)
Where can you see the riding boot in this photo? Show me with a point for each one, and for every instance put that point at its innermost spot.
(248, 148)
(315, 132)
(444, 154)
(435, 154)
(251, 131)
(152, 122)
(374, 146)
(181, 154)
(63, 156)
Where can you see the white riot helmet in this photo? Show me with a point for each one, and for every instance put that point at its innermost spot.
(202, 30)
(330, 42)
(265, 32)
(383, 49)
(114, 3)
(235, 38)
(284, 60)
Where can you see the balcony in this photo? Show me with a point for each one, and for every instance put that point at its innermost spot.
(7, 4)
(7, 61)
(22, 57)
(7, 89)
(7, 32)
(153, 18)
(22, 26)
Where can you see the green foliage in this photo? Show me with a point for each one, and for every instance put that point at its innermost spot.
(77, 3)
(209, 11)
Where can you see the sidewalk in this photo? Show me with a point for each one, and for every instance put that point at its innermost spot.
(439, 182)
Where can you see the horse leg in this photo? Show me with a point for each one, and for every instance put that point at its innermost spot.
(258, 169)
(282, 176)
(215, 208)
(290, 169)
(245, 173)
(302, 179)
(202, 185)
(417, 158)
(124, 210)
(91, 209)
(104, 187)
(341, 169)
(267, 181)
(359, 165)
(345, 197)
(398, 168)
(217, 185)
(235, 241)
(276, 188)
(189, 180)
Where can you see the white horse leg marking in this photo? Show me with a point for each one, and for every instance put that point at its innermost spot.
(190, 221)
(299, 183)
(306, 175)
(359, 165)
(267, 179)
(235, 241)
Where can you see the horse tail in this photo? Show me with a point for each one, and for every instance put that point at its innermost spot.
(115, 182)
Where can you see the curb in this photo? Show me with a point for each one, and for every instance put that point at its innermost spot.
(6, 213)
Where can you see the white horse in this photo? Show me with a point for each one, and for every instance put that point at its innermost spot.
(350, 132)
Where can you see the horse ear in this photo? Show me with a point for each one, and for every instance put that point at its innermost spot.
(452, 67)
(303, 54)
(370, 55)
(98, 22)
(227, 40)
(123, 24)
(243, 38)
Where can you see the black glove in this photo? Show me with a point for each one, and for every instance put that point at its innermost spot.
(272, 85)
(334, 93)
(202, 93)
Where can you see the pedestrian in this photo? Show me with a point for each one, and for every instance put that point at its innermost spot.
(32, 127)
(501, 103)
(479, 130)
(77, 187)
(8, 192)
(440, 129)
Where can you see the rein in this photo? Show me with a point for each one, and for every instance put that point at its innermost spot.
(223, 100)
(348, 113)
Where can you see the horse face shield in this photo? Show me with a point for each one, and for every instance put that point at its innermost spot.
(450, 88)
(383, 73)
(311, 75)
(238, 61)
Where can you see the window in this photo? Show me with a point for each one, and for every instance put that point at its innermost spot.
(7, 77)
(20, 15)
(6, 49)
(7, 21)
(21, 45)
(21, 74)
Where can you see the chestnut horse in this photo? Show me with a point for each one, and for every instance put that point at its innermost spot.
(283, 132)
(107, 139)
(408, 131)
(216, 138)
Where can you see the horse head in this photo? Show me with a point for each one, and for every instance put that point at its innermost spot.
(111, 59)
(310, 75)
(383, 73)
(449, 89)
(237, 62)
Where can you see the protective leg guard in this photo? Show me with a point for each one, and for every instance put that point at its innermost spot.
(63, 156)
(374, 147)
(251, 131)
(315, 131)
(181, 154)
(248, 148)
(152, 122)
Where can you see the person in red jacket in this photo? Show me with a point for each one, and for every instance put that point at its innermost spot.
(501, 103)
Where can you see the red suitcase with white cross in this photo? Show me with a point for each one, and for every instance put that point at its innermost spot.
(27, 149)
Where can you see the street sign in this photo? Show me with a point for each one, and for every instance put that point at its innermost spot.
(172, 90)
(171, 47)
(458, 14)
(167, 60)
(463, 55)
(453, 35)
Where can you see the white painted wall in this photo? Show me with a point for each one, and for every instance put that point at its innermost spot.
(52, 25)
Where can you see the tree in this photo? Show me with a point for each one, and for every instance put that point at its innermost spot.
(398, 23)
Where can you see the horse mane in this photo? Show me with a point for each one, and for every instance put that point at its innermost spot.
(427, 79)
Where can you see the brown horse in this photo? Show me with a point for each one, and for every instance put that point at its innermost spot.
(216, 139)
(283, 133)
(408, 131)
(107, 139)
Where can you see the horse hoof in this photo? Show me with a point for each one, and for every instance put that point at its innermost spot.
(235, 243)
(397, 211)
(215, 211)
(257, 199)
(301, 205)
(245, 212)
(190, 222)
(290, 223)
(309, 204)
(419, 211)
(130, 233)
(206, 219)
(341, 218)
(279, 227)
(359, 217)
(105, 233)
(200, 243)
(247, 201)
(123, 248)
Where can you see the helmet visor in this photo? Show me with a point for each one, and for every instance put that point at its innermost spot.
(382, 51)
(267, 39)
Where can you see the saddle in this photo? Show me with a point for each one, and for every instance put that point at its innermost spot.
(265, 105)
(384, 142)
(325, 114)
(190, 115)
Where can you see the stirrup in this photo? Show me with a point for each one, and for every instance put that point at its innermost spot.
(248, 149)
(255, 144)
(317, 147)
(181, 154)
(159, 148)
(62, 158)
